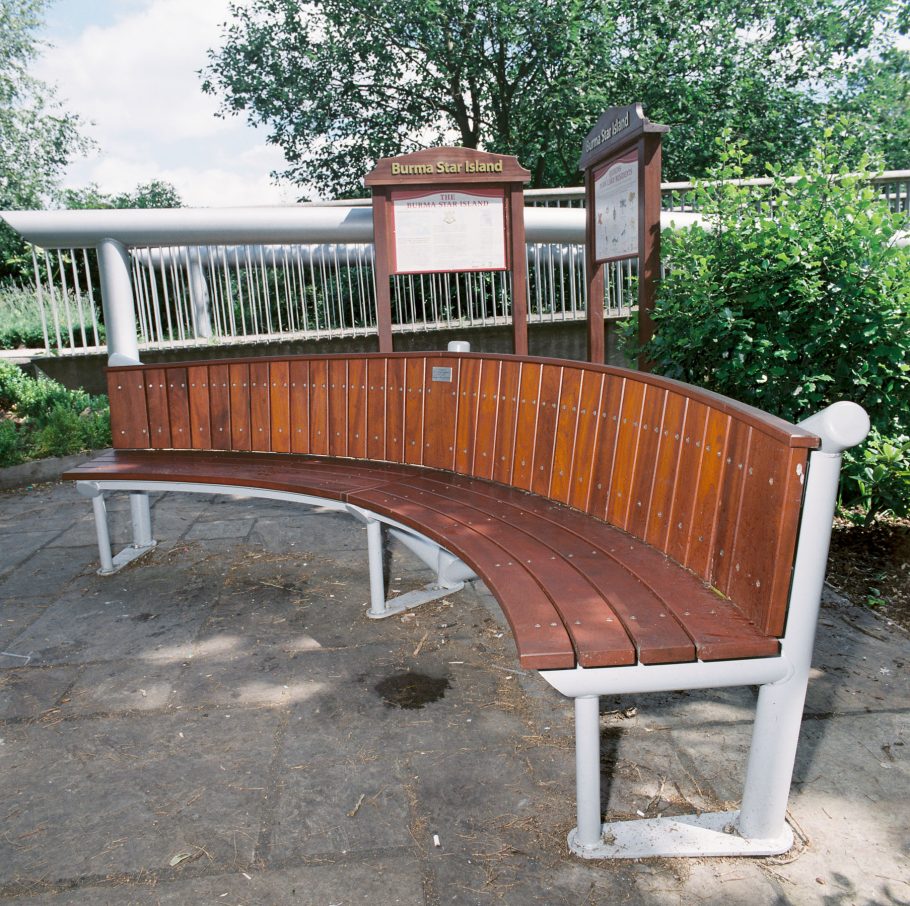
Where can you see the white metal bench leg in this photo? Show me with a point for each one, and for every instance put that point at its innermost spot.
(587, 835)
(142, 528)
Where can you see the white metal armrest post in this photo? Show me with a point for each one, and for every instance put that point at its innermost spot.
(759, 827)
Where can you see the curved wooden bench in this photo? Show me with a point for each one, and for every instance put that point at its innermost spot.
(638, 533)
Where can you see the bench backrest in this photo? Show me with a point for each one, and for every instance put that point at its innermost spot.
(714, 484)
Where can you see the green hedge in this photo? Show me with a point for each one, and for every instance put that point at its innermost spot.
(796, 296)
(39, 417)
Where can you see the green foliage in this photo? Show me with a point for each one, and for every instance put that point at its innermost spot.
(340, 83)
(37, 138)
(39, 417)
(792, 298)
(154, 194)
(876, 478)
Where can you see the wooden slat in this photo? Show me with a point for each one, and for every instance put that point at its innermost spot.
(608, 418)
(338, 407)
(440, 405)
(357, 408)
(241, 438)
(200, 419)
(547, 411)
(179, 408)
(129, 413)
(644, 474)
(394, 413)
(702, 535)
(506, 417)
(627, 439)
(260, 417)
(485, 431)
(319, 406)
(585, 439)
(566, 433)
(299, 405)
(466, 417)
(665, 466)
(220, 406)
(413, 410)
(156, 399)
(280, 407)
(376, 408)
(684, 487)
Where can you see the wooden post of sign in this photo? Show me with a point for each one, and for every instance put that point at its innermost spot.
(449, 210)
(621, 160)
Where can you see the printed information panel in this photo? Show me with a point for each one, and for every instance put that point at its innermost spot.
(448, 231)
(616, 209)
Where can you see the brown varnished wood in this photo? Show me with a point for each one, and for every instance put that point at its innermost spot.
(666, 461)
(394, 412)
(200, 416)
(299, 405)
(440, 404)
(506, 416)
(586, 435)
(319, 410)
(414, 379)
(685, 486)
(731, 489)
(718, 629)
(566, 431)
(357, 408)
(545, 440)
(644, 473)
(466, 416)
(220, 406)
(156, 399)
(607, 415)
(129, 413)
(280, 407)
(239, 375)
(260, 416)
(376, 409)
(628, 427)
(338, 407)
(178, 401)
(486, 419)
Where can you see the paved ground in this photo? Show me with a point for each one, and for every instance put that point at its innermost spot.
(209, 726)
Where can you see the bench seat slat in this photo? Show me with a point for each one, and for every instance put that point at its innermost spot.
(597, 632)
(657, 635)
(717, 627)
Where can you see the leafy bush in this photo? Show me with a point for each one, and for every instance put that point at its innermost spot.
(39, 417)
(796, 296)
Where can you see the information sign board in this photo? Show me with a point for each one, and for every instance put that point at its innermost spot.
(448, 231)
(616, 209)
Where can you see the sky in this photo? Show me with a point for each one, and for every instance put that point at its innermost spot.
(129, 69)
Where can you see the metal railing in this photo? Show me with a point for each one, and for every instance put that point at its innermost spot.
(198, 277)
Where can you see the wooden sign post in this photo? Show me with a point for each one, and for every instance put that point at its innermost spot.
(621, 159)
(449, 210)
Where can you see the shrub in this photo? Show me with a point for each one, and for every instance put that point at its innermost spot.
(20, 319)
(795, 298)
(39, 417)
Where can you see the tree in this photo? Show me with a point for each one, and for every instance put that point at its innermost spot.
(37, 138)
(340, 83)
(154, 194)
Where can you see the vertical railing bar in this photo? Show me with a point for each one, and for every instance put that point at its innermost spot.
(52, 290)
(39, 294)
(267, 302)
(90, 289)
(78, 291)
(64, 290)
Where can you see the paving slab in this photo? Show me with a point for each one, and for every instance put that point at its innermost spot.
(224, 704)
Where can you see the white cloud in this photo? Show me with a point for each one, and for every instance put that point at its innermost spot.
(136, 80)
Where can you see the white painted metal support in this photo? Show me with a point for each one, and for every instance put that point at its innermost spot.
(104, 537)
(199, 295)
(587, 833)
(142, 519)
(117, 302)
(760, 827)
(377, 576)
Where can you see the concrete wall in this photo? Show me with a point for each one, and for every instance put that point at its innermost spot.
(563, 341)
